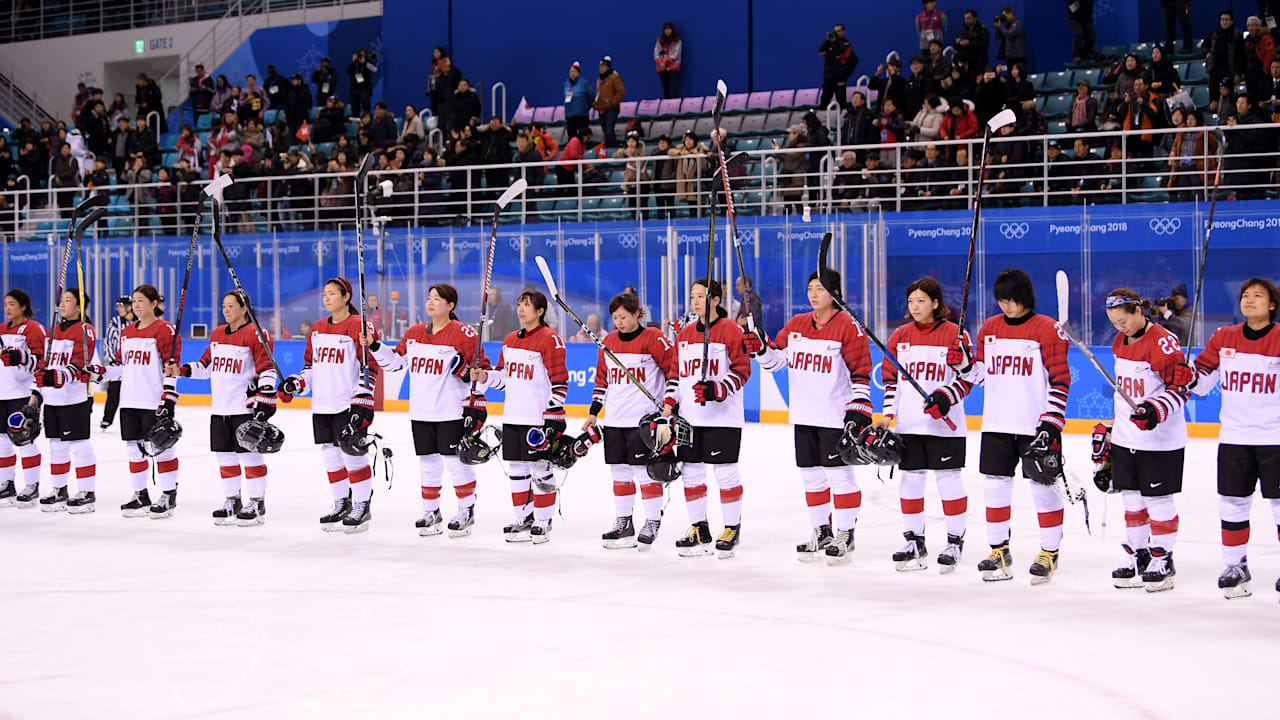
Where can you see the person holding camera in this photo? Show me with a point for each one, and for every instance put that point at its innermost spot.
(361, 71)
(1171, 313)
(1013, 37)
(838, 63)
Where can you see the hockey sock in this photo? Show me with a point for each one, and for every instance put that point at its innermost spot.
(650, 493)
(86, 465)
(544, 503)
(1275, 514)
(624, 490)
(431, 469)
(1164, 521)
(1049, 512)
(359, 474)
(8, 459)
(817, 495)
(464, 480)
(59, 463)
(167, 469)
(911, 495)
(730, 482)
(997, 492)
(255, 474)
(955, 500)
(521, 482)
(1234, 512)
(30, 455)
(1137, 523)
(695, 491)
(229, 464)
(137, 466)
(845, 496)
(339, 486)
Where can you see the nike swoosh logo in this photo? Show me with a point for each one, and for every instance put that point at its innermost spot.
(945, 458)
(833, 457)
(1156, 485)
(718, 452)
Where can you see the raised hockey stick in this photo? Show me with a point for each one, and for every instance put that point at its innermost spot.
(1204, 252)
(82, 227)
(1093, 359)
(1072, 496)
(711, 266)
(1001, 119)
(516, 189)
(721, 92)
(362, 174)
(213, 189)
(824, 277)
(81, 211)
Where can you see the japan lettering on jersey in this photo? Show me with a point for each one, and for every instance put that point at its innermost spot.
(725, 362)
(828, 369)
(922, 350)
(67, 350)
(331, 364)
(531, 370)
(1024, 371)
(143, 353)
(1143, 371)
(651, 359)
(30, 337)
(235, 364)
(1248, 373)
(432, 360)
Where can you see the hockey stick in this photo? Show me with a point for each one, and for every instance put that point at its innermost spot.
(83, 209)
(721, 92)
(555, 295)
(81, 228)
(516, 189)
(1066, 491)
(1208, 231)
(362, 173)
(1001, 119)
(212, 189)
(825, 278)
(1093, 359)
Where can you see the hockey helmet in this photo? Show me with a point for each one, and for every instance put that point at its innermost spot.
(663, 468)
(664, 434)
(163, 435)
(880, 446)
(476, 450)
(1042, 460)
(848, 448)
(566, 451)
(259, 436)
(24, 426)
(355, 441)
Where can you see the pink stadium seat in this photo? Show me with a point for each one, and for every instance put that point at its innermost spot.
(648, 108)
(736, 101)
(628, 109)
(669, 107)
(709, 103)
(807, 96)
(782, 98)
(544, 114)
(558, 115)
(758, 100)
(691, 106)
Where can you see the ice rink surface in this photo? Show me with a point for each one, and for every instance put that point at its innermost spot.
(112, 617)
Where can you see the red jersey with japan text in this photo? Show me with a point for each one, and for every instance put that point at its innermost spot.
(725, 362)
(922, 350)
(828, 369)
(432, 361)
(1245, 365)
(1144, 372)
(70, 339)
(143, 353)
(651, 359)
(1024, 371)
(30, 337)
(331, 363)
(532, 372)
(235, 364)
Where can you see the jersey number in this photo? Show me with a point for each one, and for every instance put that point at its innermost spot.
(1168, 345)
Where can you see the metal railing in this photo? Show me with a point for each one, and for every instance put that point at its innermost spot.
(17, 103)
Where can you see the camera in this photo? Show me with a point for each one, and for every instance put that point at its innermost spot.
(998, 19)
(830, 36)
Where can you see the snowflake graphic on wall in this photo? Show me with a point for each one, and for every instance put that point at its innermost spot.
(1095, 405)
(309, 61)
(1075, 375)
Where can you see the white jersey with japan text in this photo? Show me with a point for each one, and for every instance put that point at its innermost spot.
(143, 353)
(1245, 365)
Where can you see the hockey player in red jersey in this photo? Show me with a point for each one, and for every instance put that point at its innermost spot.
(146, 397)
(68, 406)
(531, 370)
(243, 386)
(1146, 447)
(1243, 361)
(715, 410)
(1022, 363)
(438, 356)
(928, 442)
(341, 401)
(22, 349)
(651, 359)
(829, 371)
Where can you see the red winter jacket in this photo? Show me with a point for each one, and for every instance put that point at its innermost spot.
(959, 127)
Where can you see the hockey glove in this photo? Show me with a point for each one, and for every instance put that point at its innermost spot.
(753, 345)
(93, 373)
(293, 385)
(959, 358)
(939, 403)
(460, 369)
(52, 378)
(474, 414)
(263, 402)
(13, 357)
(858, 415)
(1184, 376)
(1148, 416)
(710, 391)
(553, 425)
(167, 402)
(361, 414)
(1101, 444)
(1051, 425)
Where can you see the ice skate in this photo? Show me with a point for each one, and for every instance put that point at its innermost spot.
(648, 534)
(697, 542)
(138, 506)
(1159, 573)
(431, 523)
(1234, 581)
(518, 531)
(816, 548)
(540, 532)
(840, 550)
(8, 494)
(622, 536)
(82, 503)
(1130, 576)
(29, 496)
(913, 556)
(949, 558)
(55, 501)
(1044, 566)
(727, 543)
(333, 521)
(996, 565)
(164, 505)
(252, 513)
(462, 522)
(225, 516)
(357, 521)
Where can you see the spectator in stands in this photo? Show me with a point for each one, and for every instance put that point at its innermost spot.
(1017, 88)
(189, 145)
(931, 24)
(82, 97)
(610, 92)
(1111, 178)
(528, 155)
(1224, 52)
(253, 101)
(1145, 111)
(297, 106)
(147, 145)
(578, 95)
(910, 181)
(1013, 38)
(1080, 20)
(119, 108)
(1224, 103)
(956, 187)
(277, 88)
(430, 184)
(383, 130)
(926, 126)
(750, 306)
(224, 137)
(690, 168)
(959, 123)
(891, 127)
(1259, 49)
(221, 93)
(1084, 172)
(918, 86)
(325, 78)
(464, 106)
(137, 173)
(495, 149)
(331, 121)
(1179, 12)
(664, 176)
(838, 63)
(988, 95)
(1192, 159)
(6, 159)
(1010, 154)
(254, 137)
(844, 186)
(1059, 170)
(937, 177)
(124, 142)
(939, 65)
(888, 81)
(875, 183)
(1130, 70)
(1171, 313)
(858, 127)
(1162, 77)
(413, 133)
(66, 174)
(791, 175)
(636, 172)
(543, 142)
(667, 53)
(25, 132)
(92, 124)
(502, 321)
(1242, 144)
(961, 82)
(1083, 113)
(593, 322)
(441, 85)
(164, 198)
(1177, 121)
(973, 43)
(1269, 100)
(97, 182)
(200, 89)
(463, 150)
(361, 71)
(31, 162)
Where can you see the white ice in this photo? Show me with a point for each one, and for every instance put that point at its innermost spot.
(113, 617)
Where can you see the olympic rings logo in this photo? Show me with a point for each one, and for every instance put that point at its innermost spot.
(629, 241)
(233, 251)
(1014, 231)
(1165, 226)
(518, 241)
